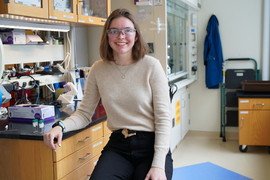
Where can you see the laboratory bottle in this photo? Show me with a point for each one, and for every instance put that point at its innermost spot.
(35, 126)
(41, 126)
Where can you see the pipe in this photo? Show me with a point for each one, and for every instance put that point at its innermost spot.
(265, 60)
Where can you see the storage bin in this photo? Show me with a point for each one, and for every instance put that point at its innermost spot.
(255, 86)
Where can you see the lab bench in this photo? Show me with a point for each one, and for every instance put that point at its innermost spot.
(253, 119)
(24, 155)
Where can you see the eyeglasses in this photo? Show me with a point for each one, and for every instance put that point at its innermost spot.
(115, 32)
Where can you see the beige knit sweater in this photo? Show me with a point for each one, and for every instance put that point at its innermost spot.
(138, 102)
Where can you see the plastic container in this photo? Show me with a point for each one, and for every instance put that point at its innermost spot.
(35, 126)
(255, 86)
(41, 126)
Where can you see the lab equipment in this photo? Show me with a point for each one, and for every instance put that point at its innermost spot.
(232, 79)
(4, 98)
(69, 96)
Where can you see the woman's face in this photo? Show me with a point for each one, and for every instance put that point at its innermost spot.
(122, 43)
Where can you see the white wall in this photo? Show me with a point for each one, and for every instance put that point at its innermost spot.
(240, 26)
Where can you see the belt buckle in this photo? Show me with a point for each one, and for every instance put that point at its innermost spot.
(126, 134)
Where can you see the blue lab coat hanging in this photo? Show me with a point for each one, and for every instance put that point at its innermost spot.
(213, 56)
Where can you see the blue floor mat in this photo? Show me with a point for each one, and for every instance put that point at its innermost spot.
(205, 171)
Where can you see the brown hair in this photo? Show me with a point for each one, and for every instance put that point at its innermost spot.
(138, 50)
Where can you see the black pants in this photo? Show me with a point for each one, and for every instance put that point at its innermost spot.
(128, 158)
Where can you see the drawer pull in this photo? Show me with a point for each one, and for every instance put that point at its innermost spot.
(99, 127)
(86, 139)
(242, 122)
(89, 176)
(87, 155)
(259, 104)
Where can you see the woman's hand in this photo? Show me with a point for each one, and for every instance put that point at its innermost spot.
(156, 174)
(48, 138)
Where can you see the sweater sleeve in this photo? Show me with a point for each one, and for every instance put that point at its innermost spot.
(82, 117)
(162, 114)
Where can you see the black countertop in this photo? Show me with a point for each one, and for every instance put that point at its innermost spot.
(242, 94)
(17, 130)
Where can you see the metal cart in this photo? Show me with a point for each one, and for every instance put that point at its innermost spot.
(232, 79)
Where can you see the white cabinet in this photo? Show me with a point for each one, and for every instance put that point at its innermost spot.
(180, 116)
(185, 112)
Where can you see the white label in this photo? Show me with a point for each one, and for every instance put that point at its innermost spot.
(52, 17)
(244, 101)
(97, 144)
(71, 17)
(91, 20)
(243, 112)
(239, 74)
(96, 128)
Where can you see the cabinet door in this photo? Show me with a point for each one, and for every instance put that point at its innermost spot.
(244, 127)
(34, 8)
(185, 113)
(63, 10)
(254, 128)
(25, 159)
(94, 11)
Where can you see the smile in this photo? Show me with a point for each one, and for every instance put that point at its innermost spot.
(121, 44)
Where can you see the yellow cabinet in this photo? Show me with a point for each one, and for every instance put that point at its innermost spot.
(64, 10)
(254, 122)
(35, 8)
(31, 159)
(94, 11)
(89, 12)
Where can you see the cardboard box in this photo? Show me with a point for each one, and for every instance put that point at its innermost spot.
(33, 39)
(30, 111)
(17, 36)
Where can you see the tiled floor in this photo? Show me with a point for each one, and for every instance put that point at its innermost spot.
(201, 147)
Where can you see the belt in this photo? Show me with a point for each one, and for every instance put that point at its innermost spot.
(126, 132)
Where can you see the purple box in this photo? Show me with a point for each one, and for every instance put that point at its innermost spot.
(29, 121)
(30, 111)
(16, 36)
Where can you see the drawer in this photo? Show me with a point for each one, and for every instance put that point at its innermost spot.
(78, 158)
(83, 172)
(254, 103)
(78, 141)
(106, 130)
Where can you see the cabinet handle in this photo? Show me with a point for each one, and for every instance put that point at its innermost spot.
(89, 176)
(103, 20)
(259, 104)
(242, 122)
(86, 139)
(87, 155)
